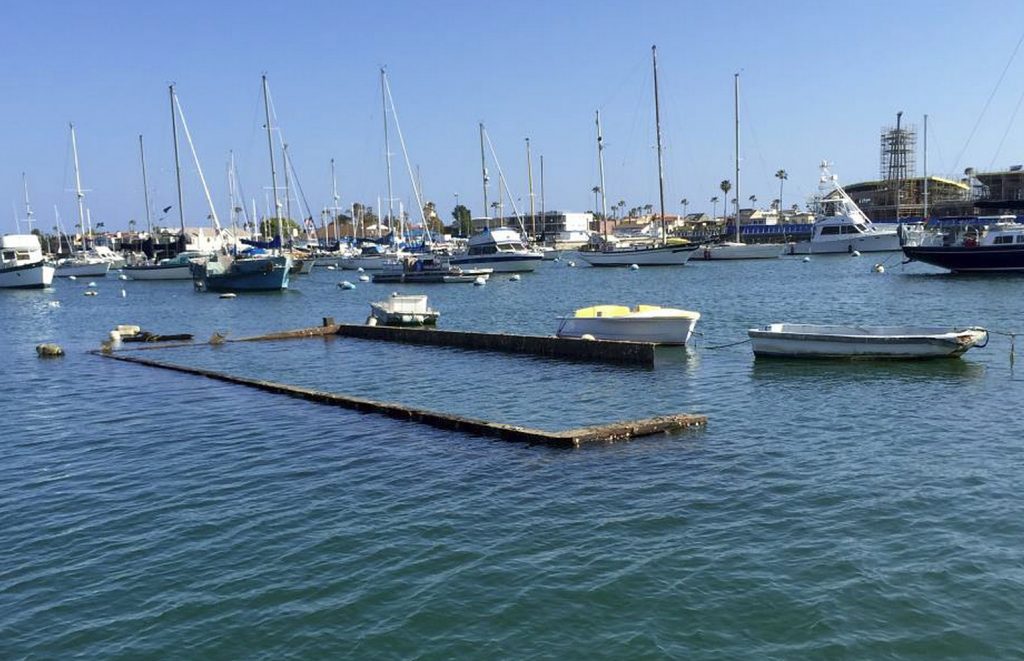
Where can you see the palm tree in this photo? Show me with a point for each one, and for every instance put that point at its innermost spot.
(781, 176)
(596, 190)
(753, 200)
(649, 209)
(726, 186)
(131, 226)
(714, 207)
(685, 202)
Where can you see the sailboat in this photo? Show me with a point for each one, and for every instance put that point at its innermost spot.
(665, 252)
(229, 273)
(737, 249)
(178, 267)
(81, 263)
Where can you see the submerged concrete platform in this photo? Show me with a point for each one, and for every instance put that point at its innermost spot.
(571, 438)
(606, 351)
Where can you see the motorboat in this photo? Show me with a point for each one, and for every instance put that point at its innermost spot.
(841, 226)
(22, 265)
(403, 311)
(370, 257)
(230, 274)
(860, 342)
(427, 269)
(976, 245)
(178, 267)
(642, 323)
(501, 249)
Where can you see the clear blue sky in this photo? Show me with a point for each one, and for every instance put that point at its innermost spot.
(818, 81)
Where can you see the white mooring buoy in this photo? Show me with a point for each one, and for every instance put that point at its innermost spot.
(878, 268)
(345, 284)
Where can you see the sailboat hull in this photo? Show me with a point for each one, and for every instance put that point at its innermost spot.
(660, 256)
(733, 250)
(254, 274)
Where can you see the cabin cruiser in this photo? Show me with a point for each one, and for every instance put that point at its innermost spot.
(21, 263)
(501, 249)
(986, 243)
(841, 226)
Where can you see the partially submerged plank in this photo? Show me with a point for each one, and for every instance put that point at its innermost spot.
(572, 438)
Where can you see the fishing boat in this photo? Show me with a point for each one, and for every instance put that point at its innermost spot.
(21, 263)
(664, 252)
(642, 323)
(841, 226)
(403, 311)
(427, 269)
(738, 249)
(863, 342)
(502, 250)
(987, 244)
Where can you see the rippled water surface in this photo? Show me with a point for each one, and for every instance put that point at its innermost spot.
(829, 509)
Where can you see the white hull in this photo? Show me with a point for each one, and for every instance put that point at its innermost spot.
(512, 263)
(812, 341)
(660, 256)
(176, 272)
(882, 241)
(83, 270)
(631, 329)
(366, 263)
(36, 276)
(734, 250)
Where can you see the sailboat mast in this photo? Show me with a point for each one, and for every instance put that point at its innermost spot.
(543, 213)
(657, 129)
(273, 168)
(529, 174)
(334, 193)
(287, 182)
(483, 169)
(79, 193)
(736, 114)
(145, 187)
(387, 146)
(29, 215)
(177, 166)
(232, 193)
(600, 167)
(925, 213)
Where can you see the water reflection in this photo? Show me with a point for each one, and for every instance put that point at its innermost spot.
(852, 371)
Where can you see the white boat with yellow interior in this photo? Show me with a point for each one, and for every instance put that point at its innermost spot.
(642, 323)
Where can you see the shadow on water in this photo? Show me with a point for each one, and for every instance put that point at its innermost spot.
(875, 371)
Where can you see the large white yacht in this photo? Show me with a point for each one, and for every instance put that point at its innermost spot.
(21, 263)
(841, 225)
(501, 249)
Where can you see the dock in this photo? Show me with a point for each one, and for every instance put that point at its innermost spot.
(627, 353)
(572, 438)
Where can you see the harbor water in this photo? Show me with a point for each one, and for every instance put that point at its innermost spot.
(829, 509)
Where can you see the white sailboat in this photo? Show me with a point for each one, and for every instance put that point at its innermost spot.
(738, 249)
(81, 263)
(665, 252)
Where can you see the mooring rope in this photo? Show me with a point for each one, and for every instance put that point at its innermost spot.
(1013, 338)
(722, 346)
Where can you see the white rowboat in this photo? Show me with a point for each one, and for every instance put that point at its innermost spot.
(643, 323)
(829, 341)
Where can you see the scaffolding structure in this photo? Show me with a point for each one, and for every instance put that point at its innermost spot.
(898, 146)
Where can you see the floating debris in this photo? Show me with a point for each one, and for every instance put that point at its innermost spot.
(218, 338)
(49, 350)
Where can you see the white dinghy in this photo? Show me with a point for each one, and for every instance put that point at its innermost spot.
(643, 323)
(860, 342)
